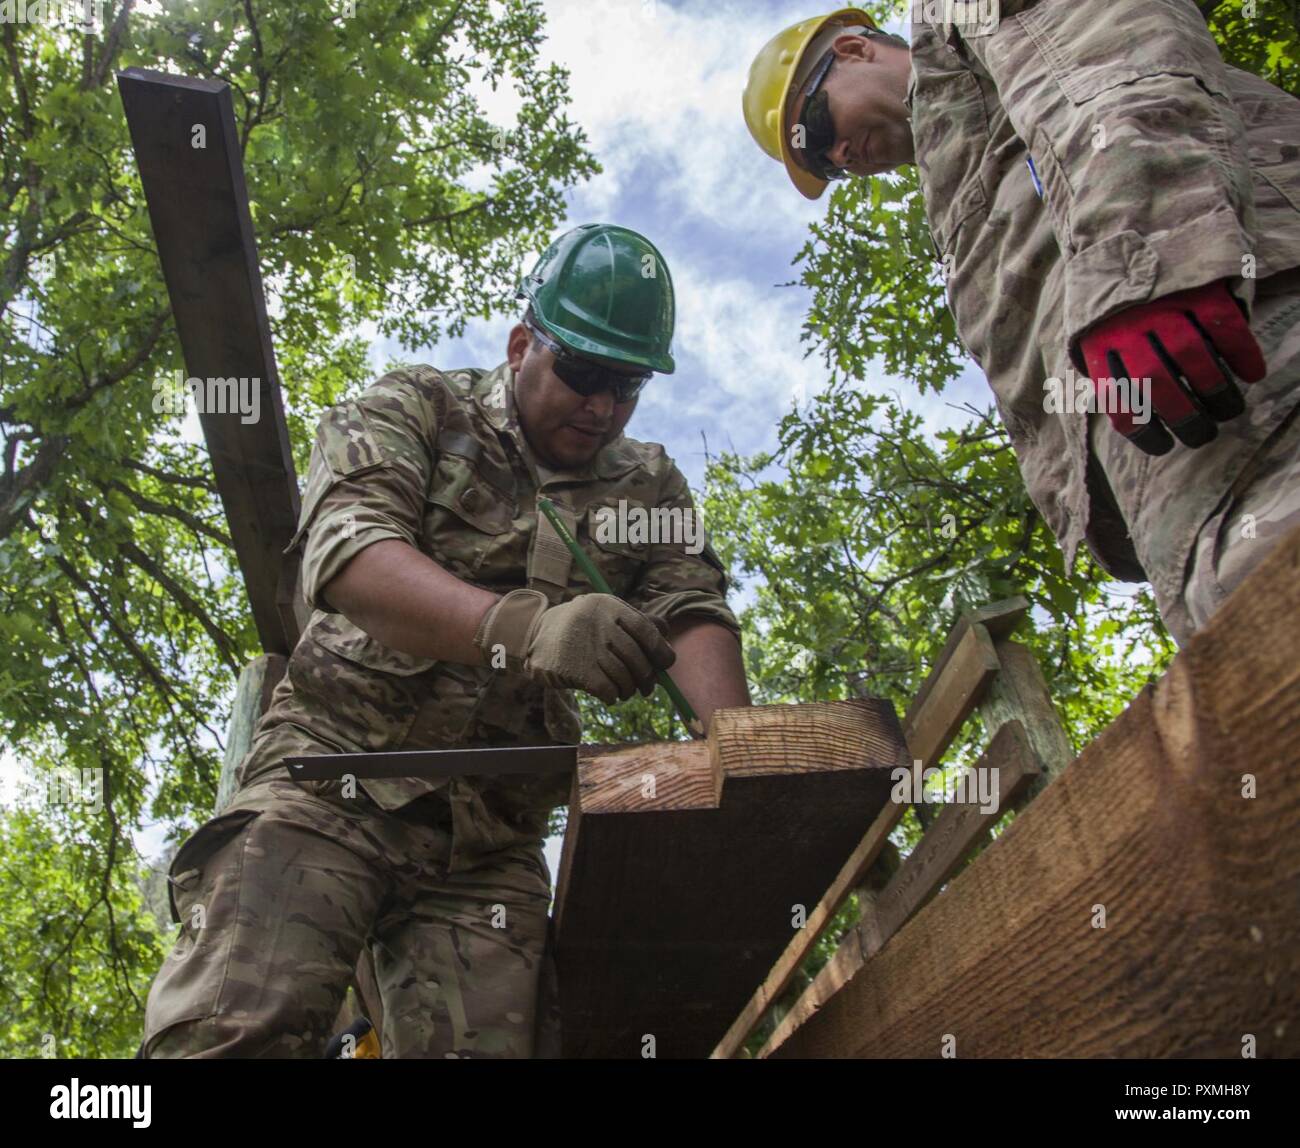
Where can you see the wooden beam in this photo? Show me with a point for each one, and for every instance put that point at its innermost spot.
(958, 829)
(659, 776)
(673, 899)
(800, 945)
(257, 681)
(999, 619)
(950, 692)
(1181, 824)
(198, 205)
(1019, 693)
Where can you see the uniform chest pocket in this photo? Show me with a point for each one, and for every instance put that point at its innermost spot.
(1275, 166)
(951, 126)
(620, 535)
(464, 516)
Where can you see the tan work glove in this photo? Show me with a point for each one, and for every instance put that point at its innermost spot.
(595, 643)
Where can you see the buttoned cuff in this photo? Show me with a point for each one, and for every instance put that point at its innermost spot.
(1127, 268)
(331, 545)
(697, 604)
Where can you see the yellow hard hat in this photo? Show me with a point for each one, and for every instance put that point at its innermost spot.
(767, 92)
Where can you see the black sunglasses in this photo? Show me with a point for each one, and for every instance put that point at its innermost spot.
(588, 377)
(818, 126)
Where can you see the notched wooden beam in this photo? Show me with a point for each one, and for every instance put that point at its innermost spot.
(684, 861)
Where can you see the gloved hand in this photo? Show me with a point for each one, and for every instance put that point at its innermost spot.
(1200, 337)
(595, 643)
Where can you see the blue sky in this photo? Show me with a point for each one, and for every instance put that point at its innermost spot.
(657, 88)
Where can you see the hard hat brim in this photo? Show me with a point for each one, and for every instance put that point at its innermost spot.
(809, 185)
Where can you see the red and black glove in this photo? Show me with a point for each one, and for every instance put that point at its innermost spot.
(1189, 344)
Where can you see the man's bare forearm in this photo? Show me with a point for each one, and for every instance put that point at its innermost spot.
(404, 599)
(709, 669)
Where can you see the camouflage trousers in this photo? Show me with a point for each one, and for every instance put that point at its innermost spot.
(1261, 508)
(1194, 560)
(277, 897)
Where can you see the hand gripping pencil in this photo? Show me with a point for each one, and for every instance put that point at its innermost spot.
(594, 576)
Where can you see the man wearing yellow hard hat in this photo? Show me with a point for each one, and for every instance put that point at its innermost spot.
(1116, 213)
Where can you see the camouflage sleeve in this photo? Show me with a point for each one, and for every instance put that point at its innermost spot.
(683, 576)
(369, 471)
(1140, 151)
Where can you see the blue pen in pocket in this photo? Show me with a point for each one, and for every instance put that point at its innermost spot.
(1033, 174)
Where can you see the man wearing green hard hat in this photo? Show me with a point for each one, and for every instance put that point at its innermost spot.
(448, 612)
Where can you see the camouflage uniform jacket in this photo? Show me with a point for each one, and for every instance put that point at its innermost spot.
(438, 460)
(1161, 169)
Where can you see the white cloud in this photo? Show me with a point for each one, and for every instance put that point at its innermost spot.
(657, 89)
(740, 364)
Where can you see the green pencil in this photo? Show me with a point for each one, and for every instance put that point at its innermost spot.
(594, 576)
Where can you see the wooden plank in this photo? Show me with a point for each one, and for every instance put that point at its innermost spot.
(670, 910)
(950, 694)
(997, 618)
(198, 205)
(957, 830)
(1154, 823)
(1019, 693)
(947, 697)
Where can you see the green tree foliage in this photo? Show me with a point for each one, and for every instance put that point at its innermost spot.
(80, 944)
(875, 539)
(1262, 37)
(381, 195)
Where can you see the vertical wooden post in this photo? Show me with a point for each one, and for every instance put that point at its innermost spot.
(252, 696)
(1019, 693)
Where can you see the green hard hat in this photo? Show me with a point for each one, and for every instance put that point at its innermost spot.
(605, 291)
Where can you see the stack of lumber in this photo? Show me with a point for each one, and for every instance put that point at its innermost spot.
(686, 866)
(1145, 904)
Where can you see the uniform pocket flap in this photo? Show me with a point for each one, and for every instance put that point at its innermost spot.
(625, 528)
(347, 441)
(1087, 62)
(339, 636)
(459, 489)
(187, 865)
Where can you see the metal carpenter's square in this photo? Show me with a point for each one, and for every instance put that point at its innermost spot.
(436, 763)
